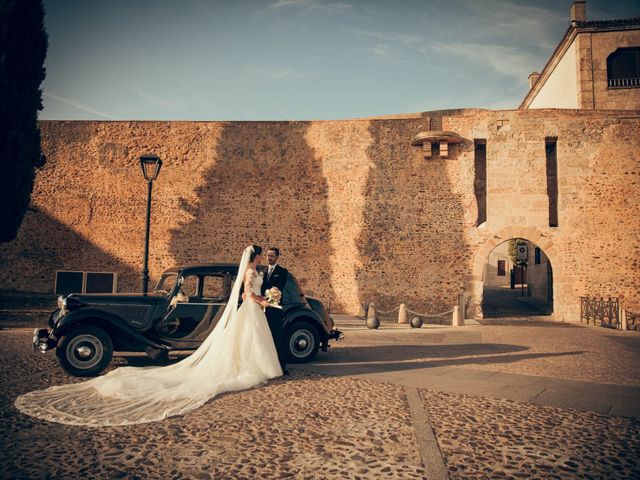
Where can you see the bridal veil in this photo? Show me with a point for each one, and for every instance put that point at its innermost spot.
(131, 395)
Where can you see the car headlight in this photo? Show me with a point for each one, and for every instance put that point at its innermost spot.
(62, 303)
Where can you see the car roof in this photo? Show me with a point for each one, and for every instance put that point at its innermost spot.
(204, 269)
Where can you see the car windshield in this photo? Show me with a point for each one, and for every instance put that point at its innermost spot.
(166, 284)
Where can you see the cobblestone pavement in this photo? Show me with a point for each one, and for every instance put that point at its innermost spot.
(317, 426)
(490, 438)
(308, 426)
(526, 346)
(594, 354)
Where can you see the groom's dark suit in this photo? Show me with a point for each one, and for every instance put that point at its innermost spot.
(278, 278)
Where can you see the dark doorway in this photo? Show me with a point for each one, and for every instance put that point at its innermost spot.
(526, 291)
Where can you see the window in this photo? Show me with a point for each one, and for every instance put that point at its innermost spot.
(68, 282)
(480, 180)
(85, 282)
(552, 179)
(623, 68)
(215, 287)
(166, 283)
(537, 253)
(502, 268)
(99, 282)
(190, 286)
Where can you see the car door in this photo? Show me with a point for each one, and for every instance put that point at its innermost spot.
(196, 311)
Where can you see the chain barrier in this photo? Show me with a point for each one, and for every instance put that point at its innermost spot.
(432, 315)
(411, 312)
(381, 312)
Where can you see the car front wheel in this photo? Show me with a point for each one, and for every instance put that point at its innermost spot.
(302, 342)
(85, 351)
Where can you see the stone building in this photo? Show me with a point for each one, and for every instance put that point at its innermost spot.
(595, 66)
(498, 267)
(539, 276)
(401, 209)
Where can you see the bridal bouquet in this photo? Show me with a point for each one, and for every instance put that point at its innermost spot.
(273, 296)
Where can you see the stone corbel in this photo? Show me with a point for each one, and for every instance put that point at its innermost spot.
(442, 138)
(444, 149)
(426, 149)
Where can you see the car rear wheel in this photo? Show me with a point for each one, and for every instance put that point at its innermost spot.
(302, 342)
(85, 351)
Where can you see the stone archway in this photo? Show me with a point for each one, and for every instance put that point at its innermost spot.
(511, 291)
(563, 301)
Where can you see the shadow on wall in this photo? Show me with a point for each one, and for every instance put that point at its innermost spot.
(45, 245)
(412, 246)
(265, 187)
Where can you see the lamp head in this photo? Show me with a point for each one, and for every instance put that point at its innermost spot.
(150, 165)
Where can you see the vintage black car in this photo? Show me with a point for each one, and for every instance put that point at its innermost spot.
(185, 306)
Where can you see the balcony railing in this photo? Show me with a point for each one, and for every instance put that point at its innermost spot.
(624, 82)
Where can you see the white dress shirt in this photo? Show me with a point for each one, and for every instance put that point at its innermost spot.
(271, 269)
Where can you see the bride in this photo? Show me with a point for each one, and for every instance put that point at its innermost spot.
(238, 354)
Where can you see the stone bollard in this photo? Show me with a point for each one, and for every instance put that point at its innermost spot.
(623, 319)
(416, 322)
(372, 319)
(455, 319)
(462, 304)
(402, 314)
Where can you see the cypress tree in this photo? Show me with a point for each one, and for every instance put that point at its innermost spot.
(23, 48)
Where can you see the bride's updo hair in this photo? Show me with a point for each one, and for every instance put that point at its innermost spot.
(256, 250)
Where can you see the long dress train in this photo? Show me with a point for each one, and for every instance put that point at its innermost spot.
(238, 354)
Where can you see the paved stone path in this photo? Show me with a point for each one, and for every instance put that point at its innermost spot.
(528, 360)
(501, 302)
(512, 398)
(483, 437)
(306, 426)
(603, 398)
(432, 458)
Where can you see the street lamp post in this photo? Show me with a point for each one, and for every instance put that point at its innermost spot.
(150, 165)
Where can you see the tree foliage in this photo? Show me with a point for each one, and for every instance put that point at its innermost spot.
(23, 48)
(513, 252)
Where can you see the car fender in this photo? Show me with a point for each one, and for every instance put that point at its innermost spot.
(306, 314)
(88, 315)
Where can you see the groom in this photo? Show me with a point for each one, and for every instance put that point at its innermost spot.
(276, 276)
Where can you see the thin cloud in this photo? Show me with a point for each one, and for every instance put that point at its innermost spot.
(166, 101)
(392, 37)
(382, 52)
(507, 61)
(79, 106)
(389, 47)
(526, 22)
(315, 5)
(275, 73)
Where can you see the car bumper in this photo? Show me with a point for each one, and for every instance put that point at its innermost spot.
(42, 340)
(336, 334)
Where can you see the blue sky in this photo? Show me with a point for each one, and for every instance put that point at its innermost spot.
(296, 59)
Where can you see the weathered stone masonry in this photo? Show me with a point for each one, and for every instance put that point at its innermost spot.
(359, 213)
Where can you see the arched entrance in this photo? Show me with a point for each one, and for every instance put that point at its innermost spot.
(563, 289)
(517, 280)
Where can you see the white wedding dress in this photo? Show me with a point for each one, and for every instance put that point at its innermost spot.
(238, 354)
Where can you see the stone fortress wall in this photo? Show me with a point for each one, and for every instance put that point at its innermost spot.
(358, 212)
